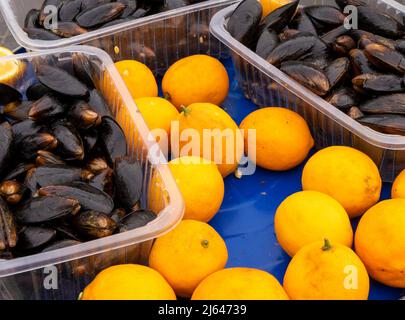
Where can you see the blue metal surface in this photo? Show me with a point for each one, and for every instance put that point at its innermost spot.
(245, 220)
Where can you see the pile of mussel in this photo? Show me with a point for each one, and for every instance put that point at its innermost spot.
(65, 175)
(77, 17)
(358, 70)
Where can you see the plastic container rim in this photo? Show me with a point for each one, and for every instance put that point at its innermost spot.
(218, 29)
(36, 45)
(168, 218)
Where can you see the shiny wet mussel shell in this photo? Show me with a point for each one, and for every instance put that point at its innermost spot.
(33, 237)
(128, 182)
(136, 219)
(61, 81)
(44, 209)
(112, 140)
(244, 21)
(94, 225)
(100, 15)
(90, 198)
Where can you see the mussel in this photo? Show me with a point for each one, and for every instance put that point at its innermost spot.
(385, 58)
(61, 81)
(69, 10)
(94, 225)
(6, 144)
(379, 23)
(8, 94)
(385, 123)
(280, 17)
(112, 140)
(136, 219)
(49, 106)
(83, 117)
(378, 83)
(44, 209)
(309, 76)
(128, 182)
(90, 198)
(100, 15)
(70, 144)
(385, 104)
(34, 237)
(245, 19)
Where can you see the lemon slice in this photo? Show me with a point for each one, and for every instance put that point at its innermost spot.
(10, 70)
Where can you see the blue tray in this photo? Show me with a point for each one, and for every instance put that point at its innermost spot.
(246, 217)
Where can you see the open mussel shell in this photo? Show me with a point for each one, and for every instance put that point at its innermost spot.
(44, 209)
(100, 15)
(94, 225)
(90, 198)
(8, 228)
(8, 94)
(244, 20)
(128, 177)
(280, 17)
(379, 23)
(34, 237)
(112, 140)
(61, 81)
(136, 219)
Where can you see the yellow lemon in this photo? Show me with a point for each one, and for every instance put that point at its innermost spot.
(188, 254)
(240, 284)
(197, 78)
(209, 132)
(128, 282)
(325, 271)
(345, 174)
(311, 216)
(138, 77)
(380, 242)
(283, 139)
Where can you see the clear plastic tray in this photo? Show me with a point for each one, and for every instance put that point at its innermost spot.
(26, 278)
(266, 85)
(157, 40)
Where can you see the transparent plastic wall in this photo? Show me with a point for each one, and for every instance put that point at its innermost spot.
(76, 266)
(266, 85)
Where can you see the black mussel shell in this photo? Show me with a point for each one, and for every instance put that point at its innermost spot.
(32, 19)
(90, 198)
(100, 15)
(37, 91)
(98, 103)
(244, 21)
(112, 140)
(61, 81)
(6, 144)
(43, 209)
(136, 219)
(41, 34)
(94, 225)
(278, 19)
(267, 41)
(70, 10)
(33, 237)
(70, 144)
(128, 177)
